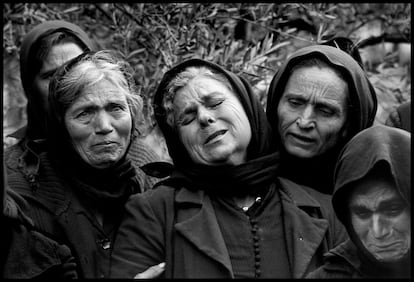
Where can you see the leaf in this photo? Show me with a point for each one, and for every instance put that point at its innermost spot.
(135, 52)
(70, 10)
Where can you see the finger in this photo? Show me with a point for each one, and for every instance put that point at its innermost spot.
(152, 272)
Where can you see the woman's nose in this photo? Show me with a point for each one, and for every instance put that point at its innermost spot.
(103, 123)
(306, 119)
(379, 226)
(205, 117)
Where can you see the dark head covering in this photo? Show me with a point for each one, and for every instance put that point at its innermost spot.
(109, 185)
(380, 147)
(35, 115)
(317, 172)
(261, 165)
(347, 45)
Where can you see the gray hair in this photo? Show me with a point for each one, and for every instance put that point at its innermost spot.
(181, 80)
(93, 67)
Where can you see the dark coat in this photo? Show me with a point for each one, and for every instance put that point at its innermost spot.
(31, 254)
(25, 252)
(341, 262)
(57, 210)
(179, 226)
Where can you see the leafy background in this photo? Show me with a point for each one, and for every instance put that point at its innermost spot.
(251, 40)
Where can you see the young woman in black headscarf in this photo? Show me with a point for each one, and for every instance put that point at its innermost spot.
(372, 199)
(223, 213)
(317, 101)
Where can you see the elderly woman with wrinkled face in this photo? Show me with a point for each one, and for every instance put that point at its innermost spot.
(86, 176)
(317, 101)
(44, 49)
(372, 198)
(223, 213)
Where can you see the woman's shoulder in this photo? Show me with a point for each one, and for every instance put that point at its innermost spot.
(43, 188)
(165, 197)
(339, 262)
(302, 193)
(157, 197)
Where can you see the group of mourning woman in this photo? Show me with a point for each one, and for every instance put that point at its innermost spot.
(309, 188)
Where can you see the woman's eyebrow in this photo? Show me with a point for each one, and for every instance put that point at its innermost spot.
(385, 203)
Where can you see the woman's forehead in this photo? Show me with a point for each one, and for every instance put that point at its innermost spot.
(202, 89)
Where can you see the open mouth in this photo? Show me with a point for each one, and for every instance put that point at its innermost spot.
(214, 135)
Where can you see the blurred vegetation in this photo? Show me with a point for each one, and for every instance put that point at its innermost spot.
(251, 40)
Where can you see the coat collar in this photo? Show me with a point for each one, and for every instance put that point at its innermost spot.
(348, 252)
(295, 194)
(306, 232)
(202, 229)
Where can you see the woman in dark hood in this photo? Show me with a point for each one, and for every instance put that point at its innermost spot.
(223, 213)
(85, 175)
(372, 199)
(45, 48)
(317, 101)
(34, 52)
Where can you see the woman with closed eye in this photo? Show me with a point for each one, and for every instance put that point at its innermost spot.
(224, 212)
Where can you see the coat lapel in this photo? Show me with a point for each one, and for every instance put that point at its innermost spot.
(305, 233)
(200, 226)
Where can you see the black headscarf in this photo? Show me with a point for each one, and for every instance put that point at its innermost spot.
(317, 172)
(256, 173)
(379, 147)
(102, 186)
(35, 114)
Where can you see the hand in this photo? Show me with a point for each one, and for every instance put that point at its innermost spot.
(152, 272)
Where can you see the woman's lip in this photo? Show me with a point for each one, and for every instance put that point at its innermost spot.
(214, 135)
(385, 247)
(302, 138)
(104, 143)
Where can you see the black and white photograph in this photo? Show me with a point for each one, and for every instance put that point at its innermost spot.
(162, 140)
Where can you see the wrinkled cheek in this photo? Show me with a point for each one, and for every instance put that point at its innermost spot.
(82, 148)
(285, 122)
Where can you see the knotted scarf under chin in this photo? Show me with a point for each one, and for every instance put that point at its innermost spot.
(245, 179)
